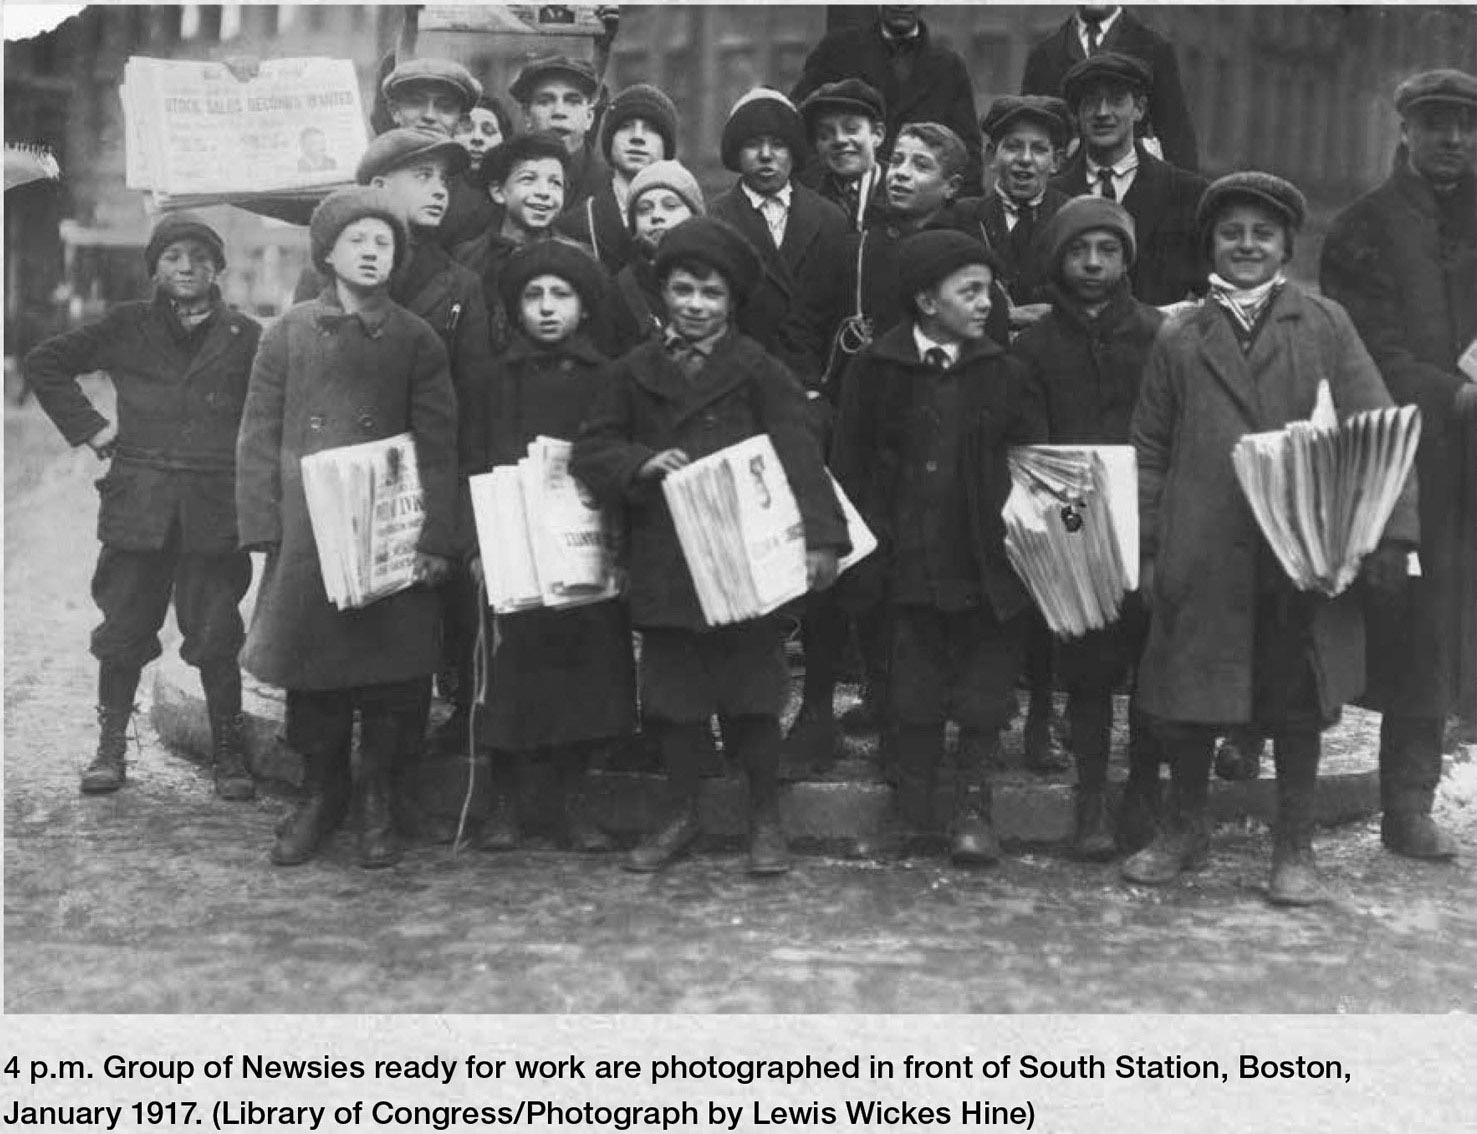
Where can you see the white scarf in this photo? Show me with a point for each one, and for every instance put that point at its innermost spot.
(1245, 304)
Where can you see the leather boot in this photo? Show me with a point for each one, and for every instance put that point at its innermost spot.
(1184, 844)
(756, 742)
(683, 747)
(1410, 769)
(322, 806)
(668, 843)
(116, 686)
(1294, 878)
(232, 777)
(380, 739)
(972, 840)
(503, 829)
(1091, 718)
(580, 832)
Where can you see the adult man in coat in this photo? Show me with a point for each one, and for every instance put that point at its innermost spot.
(1403, 260)
(1108, 27)
(919, 81)
(1108, 95)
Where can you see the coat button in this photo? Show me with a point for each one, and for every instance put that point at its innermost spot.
(315, 423)
(932, 466)
(366, 421)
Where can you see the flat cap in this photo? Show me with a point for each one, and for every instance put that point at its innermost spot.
(446, 72)
(1052, 113)
(849, 96)
(935, 254)
(577, 71)
(395, 149)
(1281, 196)
(1444, 85)
(1109, 67)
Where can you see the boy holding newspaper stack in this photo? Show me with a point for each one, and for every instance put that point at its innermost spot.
(701, 387)
(559, 680)
(349, 367)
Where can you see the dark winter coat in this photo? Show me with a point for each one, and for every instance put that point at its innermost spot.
(469, 213)
(650, 405)
(1168, 117)
(637, 311)
(322, 380)
(180, 395)
(588, 175)
(938, 90)
(937, 520)
(1200, 395)
(829, 189)
(485, 256)
(1170, 264)
(1024, 278)
(597, 223)
(1410, 285)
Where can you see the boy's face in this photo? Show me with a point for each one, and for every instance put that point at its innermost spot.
(1025, 159)
(848, 143)
(363, 256)
(1442, 140)
(186, 270)
(698, 306)
(478, 133)
(533, 193)
(560, 106)
(550, 309)
(1248, 245)
(431, 106)
(956, 310)
(916, 184)
(1107, 115)
(419, 188)
(765, 163)
(634, 145)
(656, 213)
(1094, 264)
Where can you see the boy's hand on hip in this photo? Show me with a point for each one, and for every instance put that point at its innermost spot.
(667, 461)
(820, 568)
(104, 441)
(433, 570)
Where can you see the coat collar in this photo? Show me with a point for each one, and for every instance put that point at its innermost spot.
(331, 316)
(1112, 318)
(1222, 355)
(728, 367)
(897, 346)
(577, 347)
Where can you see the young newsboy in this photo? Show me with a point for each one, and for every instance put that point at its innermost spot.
(560, 682)
(557, 95)
(702, 387)
(167, 518)
(846, 123)
(348, 367)
(663, 195)
(1086, 360)
(927, 414)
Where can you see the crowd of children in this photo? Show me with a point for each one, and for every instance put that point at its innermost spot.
(854, 296)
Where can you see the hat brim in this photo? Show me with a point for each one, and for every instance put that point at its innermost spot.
(524, 86)
(1243, 193)
(811, 111)
(1059, 131)
(463, 92)
(1438, 99)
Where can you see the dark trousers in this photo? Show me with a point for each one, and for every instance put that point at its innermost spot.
(133, 590)
(460, 614)
(392, 718)
(955, 665)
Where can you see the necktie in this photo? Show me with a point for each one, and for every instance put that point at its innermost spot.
(1025, 228)
(1105, 182)
(774, 216)
(1094, 36)
(688, 358)
(937, 357)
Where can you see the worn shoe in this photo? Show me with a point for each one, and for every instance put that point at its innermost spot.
(1294, 880)
(232, 778)
(1092, 841)
(1138, 816)
(972, 840)
(666, 845)
(108, 769)
(769, 853)
(305, 829)
(502, 830)
(1169, 855)
(1416, 836)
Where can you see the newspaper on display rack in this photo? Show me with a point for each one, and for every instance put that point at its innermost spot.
(1072, 531)
(1322, 492)
(741, 532)
(543, 540)
(367, 510)
(513, 19)
(198, 135)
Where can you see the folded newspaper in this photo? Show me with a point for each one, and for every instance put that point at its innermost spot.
(198, 135)
(1322, 492)
(367, 511)
(543, 540)
(1072, 531)
(741, 531)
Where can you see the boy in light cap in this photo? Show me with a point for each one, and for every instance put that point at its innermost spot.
(663, 195)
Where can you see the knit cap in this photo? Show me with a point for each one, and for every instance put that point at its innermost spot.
(342, 208)
(762, 111)
(671, 175)
(1084, 214)
(640, 101)
(183, 226)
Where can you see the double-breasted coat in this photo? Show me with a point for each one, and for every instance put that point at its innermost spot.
(1406, 270)
(649, 405)
(324, 379)
(1200, 395)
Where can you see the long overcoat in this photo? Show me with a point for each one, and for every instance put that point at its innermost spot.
(1199, 397)
(324, 379)
(649, 405)
(1410, 285)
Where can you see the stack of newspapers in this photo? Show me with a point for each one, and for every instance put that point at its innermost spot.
(367, 510)
(196, 134)
(543, 540)
(1322, 492)
(741, 531)
(1072, 531)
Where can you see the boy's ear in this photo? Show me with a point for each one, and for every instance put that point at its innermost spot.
(378, 181)
(926, 302)
(495, 191)
(953, 185)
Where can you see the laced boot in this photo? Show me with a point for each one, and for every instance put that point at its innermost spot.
(1184, 844)
(116, 686)
(229, 771)
(581, 833)
(972, 840)
(1294, 879)
(1410, 769)
(1091, 717)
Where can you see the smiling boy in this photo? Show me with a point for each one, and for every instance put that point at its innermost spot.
(557, 95)
(847, 124)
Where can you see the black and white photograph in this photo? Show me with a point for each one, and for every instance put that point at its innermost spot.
(740, 509)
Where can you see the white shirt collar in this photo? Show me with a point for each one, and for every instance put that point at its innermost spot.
(1121, 168)
(1011, 205)
(1104, 26)
(757, 199)
(926, 344)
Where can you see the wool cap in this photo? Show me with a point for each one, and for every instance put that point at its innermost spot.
(1108, 67)
(671, 175)
(762, 111)
(1282, 197)
(342, 208)
(1050, 112)
(444, 72)
(849, 96)
(395, 149)
(1085, 214)
(1443, 85)
(562, 258)
(720, 246)
(576, 71)
(933, 255)
(536, 146)
(183, 226)
(640, 101)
